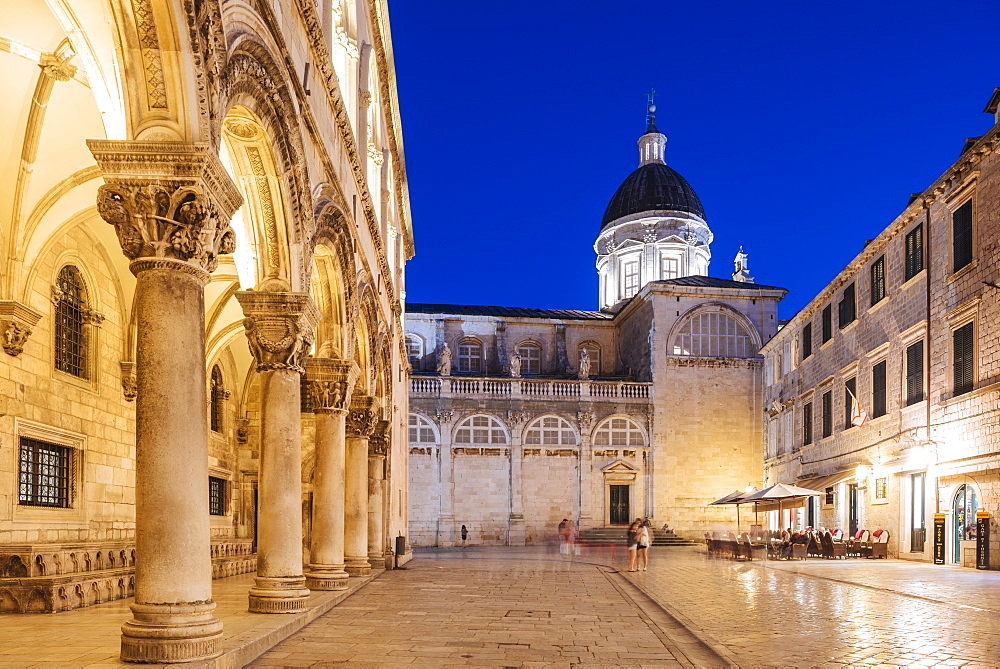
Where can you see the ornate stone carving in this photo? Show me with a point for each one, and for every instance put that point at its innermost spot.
(242, 431)
(362, 416)
(585, 419)
(16, 321)
(516, 417)
(378, 443)
(279, 328)
(167, 200)
(365, 98)
(130, 388)
(444, 360)
(331, 383)
(515, 364)
(149, 49)
(444, 416)
(57, 68)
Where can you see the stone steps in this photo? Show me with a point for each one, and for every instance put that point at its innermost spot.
(615, 534)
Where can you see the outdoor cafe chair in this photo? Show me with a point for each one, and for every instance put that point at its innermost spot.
(879, 547)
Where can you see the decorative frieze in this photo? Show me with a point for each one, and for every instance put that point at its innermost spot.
(279, 328)
(331, 383)
(16, 321)
(167, 200)
(362, 416)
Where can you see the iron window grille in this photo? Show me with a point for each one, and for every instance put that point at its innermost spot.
(881, 488)
(829, 496)
(45, 473)
(70, 317)
(216, 496)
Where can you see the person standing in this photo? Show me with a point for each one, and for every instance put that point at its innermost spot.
(465, 535)
(642, 541)
(631, 542)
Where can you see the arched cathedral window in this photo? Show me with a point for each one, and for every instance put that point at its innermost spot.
(217, 400)
(713, 334)
(531, 357)
(480, 430)
(470, 356)
(619, 432)
(71, 346)
(421, 430)
(550, 431)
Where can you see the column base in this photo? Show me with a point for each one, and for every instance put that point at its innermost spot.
(358, 566)
(166, 633)
(275, 594)
(326, 577)
(376, 560)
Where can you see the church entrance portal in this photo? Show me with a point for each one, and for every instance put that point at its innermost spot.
(620, 511)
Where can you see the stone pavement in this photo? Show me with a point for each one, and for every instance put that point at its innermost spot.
(528, 607)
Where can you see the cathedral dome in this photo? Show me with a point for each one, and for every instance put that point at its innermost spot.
(653, 186)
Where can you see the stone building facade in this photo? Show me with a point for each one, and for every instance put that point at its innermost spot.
(204, 224)
(650, 407)
(910, 327)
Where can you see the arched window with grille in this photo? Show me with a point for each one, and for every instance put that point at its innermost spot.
(550, 431)
(531, 357)
(414, 351)
(72, 351)
(470, 356)
(713, 334)
(218, 396)
(422, 430)
(619, 432)
(480, 429)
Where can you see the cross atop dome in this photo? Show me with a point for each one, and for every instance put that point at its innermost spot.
(651, 112)
(653, 144)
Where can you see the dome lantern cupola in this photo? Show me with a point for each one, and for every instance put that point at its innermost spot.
(654, 227)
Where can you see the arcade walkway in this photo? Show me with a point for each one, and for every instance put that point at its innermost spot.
(528, 607)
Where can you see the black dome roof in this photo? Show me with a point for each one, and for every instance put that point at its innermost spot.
(653, 186)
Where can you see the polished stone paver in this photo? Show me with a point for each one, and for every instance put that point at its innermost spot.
(453, 607)
(495, 608)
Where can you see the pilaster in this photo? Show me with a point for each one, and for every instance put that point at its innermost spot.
(170, 204)
(279, 328)
(378, 448)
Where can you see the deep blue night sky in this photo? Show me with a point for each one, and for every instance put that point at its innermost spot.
(803, 127)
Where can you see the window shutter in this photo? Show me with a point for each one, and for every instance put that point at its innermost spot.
(807, 423)
(914, 252)
(850, 387)
(963, 354)
(878, 280)
(914, 373)
(827, 323)
(878, 390)
(962, 235)
(828, 413)
(807, 340)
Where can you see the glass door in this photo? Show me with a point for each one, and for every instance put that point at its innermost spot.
(965, 520)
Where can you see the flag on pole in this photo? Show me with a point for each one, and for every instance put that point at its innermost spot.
(858, 415)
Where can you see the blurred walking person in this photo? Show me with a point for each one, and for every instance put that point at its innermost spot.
(631, 542)
(642, 542)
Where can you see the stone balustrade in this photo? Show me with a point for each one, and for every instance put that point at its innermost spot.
(548, 389)
(47, 578)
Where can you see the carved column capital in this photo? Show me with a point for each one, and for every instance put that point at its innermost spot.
(378, 443)
(16, 321)
(130, 387)
(279, 328)
(331, 383)
(170, 203)
(362, 416)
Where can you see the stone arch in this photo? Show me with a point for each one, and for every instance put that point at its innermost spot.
(545, 424)
(613, 423)
(334, 269)
(720, 308)
(253, 81)
(420, 421)
(473, 421)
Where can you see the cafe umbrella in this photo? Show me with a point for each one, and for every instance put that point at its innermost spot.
(736, 497)
(778, 496)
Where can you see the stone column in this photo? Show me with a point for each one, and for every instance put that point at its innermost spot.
(279, 327)
(331, 383)
(378, 447)
(446, 479)
(361, 421)
(515, 521)
(585, 419)
(170, 203)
